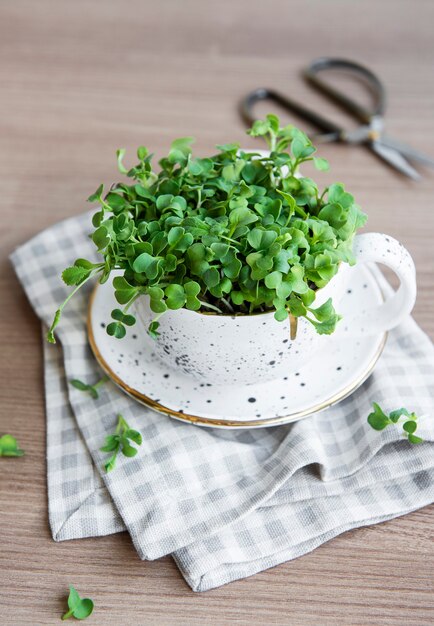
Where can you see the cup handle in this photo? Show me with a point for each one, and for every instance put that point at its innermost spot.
(379, 248)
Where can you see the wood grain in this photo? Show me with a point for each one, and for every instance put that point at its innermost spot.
(80, 79)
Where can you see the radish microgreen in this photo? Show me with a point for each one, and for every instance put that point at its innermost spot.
(80, 608)
(91, 389)
(379, 421)
(120, 442)
(234, 233)
(9, 446)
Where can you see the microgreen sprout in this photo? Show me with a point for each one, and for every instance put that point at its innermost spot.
(379, 421)
(120, 442)
(91, 389)
(77, 275)
(234, 233)
(9, 446)
(80, 608)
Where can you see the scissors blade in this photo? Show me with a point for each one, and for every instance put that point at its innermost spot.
(407, 151)
(395, 159)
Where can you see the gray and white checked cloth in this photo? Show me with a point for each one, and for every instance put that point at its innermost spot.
(224, 504)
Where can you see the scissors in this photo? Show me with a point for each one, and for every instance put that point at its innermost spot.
(369, 132)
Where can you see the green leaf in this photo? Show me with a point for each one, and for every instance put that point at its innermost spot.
(112, 442)
(95, 197)
(134, 435)
(231, 265)
(129, 320)
(192, 290)
(338, 195)
(78, 384)
(84, 609)
(409, 427)
(308, 297)
(97, 218)
(220, 250)
(179, 239)
(259, 128)
(116, 329)
(91, 389)
(142, 153)
(179, 150)
(325, 311)
(280, 314)
(261, 239)
(273, 280)
(321, 164)
(74, 275)
(414, 439)
(327, 327)
(175, 296)
(156, 300)
(111, 463)
(8, 442)
(117, 203)
(50, 333)
(80, 608)
(145, 263)
(73, 598)
(230, 148)
(101, 237)
(289, 200)
(164, 201)
(211, 277)
(395, 415)
(237, 297)
(84, 263)
(153, 330)
(123, 318)
(120, 156)
(124, 292)
(9, 446)
(175, 234)
(273, 122)
(117, 315)
(128, 450)
(293, 282)
(242, 217)
(378, 419)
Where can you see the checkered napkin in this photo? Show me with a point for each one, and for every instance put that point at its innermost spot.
(225, 504)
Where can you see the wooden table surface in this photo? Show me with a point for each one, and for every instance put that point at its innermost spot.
(80, 79)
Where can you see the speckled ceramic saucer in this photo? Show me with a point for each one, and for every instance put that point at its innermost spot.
(331, 376)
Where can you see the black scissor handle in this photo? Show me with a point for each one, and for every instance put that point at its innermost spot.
(375, 86)
(332, 132)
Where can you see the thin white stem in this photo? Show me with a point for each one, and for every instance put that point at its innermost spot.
(211, 306)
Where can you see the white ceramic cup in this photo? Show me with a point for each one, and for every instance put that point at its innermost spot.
(247, 349)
